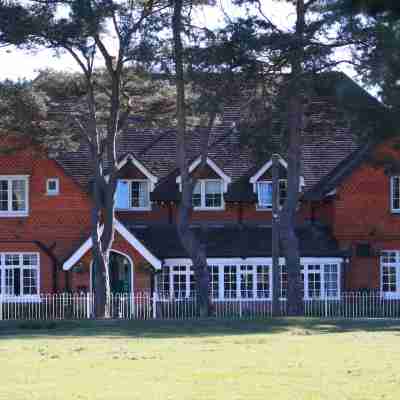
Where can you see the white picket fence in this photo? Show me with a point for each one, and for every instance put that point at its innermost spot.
(145, 306)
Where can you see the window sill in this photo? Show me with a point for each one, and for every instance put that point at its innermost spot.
(208, 208)
(52, 194)
(13, 214)
(133, 209)
(27, 298)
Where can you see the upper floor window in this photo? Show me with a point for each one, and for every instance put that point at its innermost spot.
(133, 195)
(52, 186)
(395, 194)
(13, 196)
(264, 193)
(208, 194)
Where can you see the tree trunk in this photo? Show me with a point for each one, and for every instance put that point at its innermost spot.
(276, 292)
(190, 242)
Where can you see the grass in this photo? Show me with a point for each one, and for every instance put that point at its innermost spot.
(279, 359)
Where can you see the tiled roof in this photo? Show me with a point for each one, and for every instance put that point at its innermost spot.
(235, 241)
(327, 140)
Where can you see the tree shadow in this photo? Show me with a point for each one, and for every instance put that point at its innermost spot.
(195, 328)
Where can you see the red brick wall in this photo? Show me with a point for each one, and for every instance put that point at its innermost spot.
(141, 271)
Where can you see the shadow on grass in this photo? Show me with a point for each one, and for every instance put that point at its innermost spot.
(199, 328)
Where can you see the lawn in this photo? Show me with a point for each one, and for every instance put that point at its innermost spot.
(280, 359)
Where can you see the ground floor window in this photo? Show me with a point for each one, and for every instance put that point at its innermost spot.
(251, 280)
(19, 274)
(390, 273)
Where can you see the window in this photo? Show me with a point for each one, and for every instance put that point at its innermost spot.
(207, 194)
(314, 281)
(230, 282)
(53, 186)
(19, 274)
(246, 281)
(320, 280)
(390, 267)
(13, 196)
(264, 193)
(132, 195)
(263, 281)
(163, 282)
(395, 194)
(331, 280)
(213, 286)
(179, 281)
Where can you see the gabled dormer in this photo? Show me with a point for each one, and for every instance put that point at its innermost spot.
(135, 183)
(262, 184)
(211, 185)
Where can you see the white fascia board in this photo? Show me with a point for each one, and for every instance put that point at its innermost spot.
(139, 166)
(82, 250)
(128, 236)
(266, 167)
(136, 244)
(212, 165)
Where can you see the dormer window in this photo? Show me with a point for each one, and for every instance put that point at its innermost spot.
(133, 194)
(13, 196)
(208, 194)
(264, 193)
(262, 185)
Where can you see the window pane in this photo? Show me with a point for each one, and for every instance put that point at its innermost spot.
(331, 280)
(396, 193)
(3, 195)
(213, 286)
(263, 281)
(30, 285)
(213, 194)
(389, 278)
(246, 281)
(196, 199)
(284, 281)
(282, 191)
(314, 281)
(264, 190)
(163, 283)
(179, 281)
(139, 194)
(122, 195)
(18, 195)
(230, 284)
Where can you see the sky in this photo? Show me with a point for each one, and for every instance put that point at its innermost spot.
(19, 64)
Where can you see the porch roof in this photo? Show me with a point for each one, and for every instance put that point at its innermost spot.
(236, 241)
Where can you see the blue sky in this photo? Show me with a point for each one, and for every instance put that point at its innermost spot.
(19, 64)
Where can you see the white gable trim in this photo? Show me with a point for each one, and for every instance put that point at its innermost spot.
(129, 157)
(128, 236)
(266, 167)
(213, 166)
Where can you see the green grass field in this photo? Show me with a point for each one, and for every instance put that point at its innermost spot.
(280, 359)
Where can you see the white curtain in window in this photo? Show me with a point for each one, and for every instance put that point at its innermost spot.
(264, 194)
(122, 195)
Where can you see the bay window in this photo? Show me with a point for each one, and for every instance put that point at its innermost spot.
(13, 195)
(19, 274)
(132, 195)
(208, 194)
(251, 279)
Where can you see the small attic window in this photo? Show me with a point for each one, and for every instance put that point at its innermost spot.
(53, 186)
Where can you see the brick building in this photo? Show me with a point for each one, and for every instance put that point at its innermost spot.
(348, 220)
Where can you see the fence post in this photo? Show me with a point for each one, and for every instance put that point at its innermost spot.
(240, 308)
(326, 304)
(154, 305)
(88, 306)
(1, 307)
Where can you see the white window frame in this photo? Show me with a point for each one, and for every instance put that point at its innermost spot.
(268, 207)
(130, 208)
(254, 262)
(56, 191)
(203, 206)
(21, 297)
(9, 213)
(396, 264)
(392, 209)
